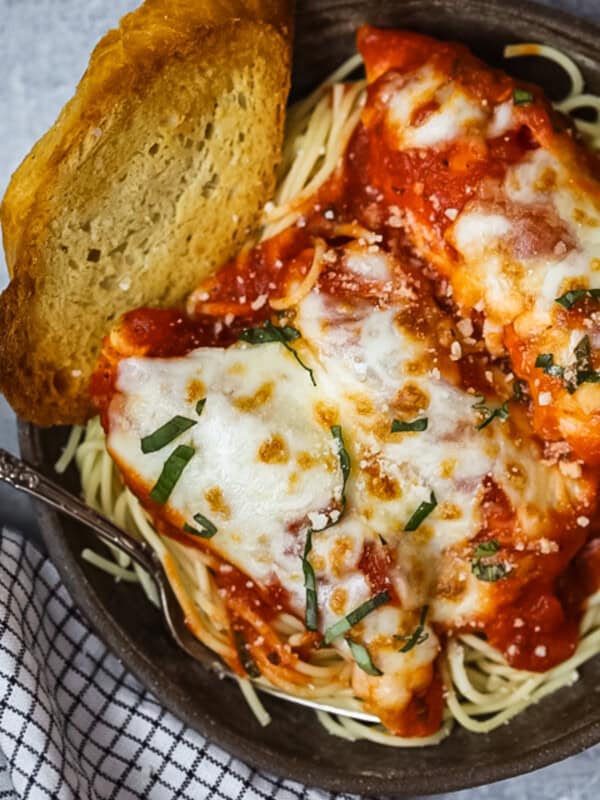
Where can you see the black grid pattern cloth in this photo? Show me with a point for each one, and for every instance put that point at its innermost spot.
(75, 725)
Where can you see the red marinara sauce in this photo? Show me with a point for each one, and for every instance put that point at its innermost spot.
(537, 605)
(430, 181)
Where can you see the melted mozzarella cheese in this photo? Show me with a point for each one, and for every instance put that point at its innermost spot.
(521, 269)
(264, 461)
(370, 358)
(404, 96)
(266, 468)
(452, 112)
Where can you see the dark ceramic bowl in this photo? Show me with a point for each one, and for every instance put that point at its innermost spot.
(294, 745)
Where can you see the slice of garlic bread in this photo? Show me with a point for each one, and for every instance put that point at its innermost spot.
(153, 175)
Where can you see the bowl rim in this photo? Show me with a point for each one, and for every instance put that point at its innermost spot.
(584, 34)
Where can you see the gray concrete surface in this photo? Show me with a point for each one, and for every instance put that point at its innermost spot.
(44, 47)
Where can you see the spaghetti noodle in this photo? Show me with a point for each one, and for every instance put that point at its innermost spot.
(482, 691)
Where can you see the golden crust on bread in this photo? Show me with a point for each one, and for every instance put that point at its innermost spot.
(153, 175)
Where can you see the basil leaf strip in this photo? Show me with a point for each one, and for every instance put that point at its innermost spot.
(583, 353)
(200, 406)
(518, 390)
(166, 433)
(171, 472)
(207, 531)
(339, 628)
(571, 377)
(501, 413)
(418, 636)
(588, 376)
(486, 548)
(487, 572)
(336, 432)
(521, 97)
(248, 663)
(569, 299)
(311, 617)
(423, 511)
(272, 333)
(398, 425)
(545, 361)
(362, 657)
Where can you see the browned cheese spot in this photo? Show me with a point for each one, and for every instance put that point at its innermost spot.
(512, 269)
(516, 475)
(420, 366)
(325, 414)
(195, 390)
(448, 510)
(216, 501)
(379, 483)
(338, 600)
(341, 548)
(451, 583)
(362, 403)
(274, 450)
(410, 399)
(253, 401)
(546, 181)
(318, 562)
(305, 460)
(237, 368)
(422, 535)
(447, 468)
(583, 218)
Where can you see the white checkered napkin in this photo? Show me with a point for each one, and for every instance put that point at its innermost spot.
(74, 725)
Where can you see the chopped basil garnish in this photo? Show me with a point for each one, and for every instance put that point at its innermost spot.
(518, 390)
(270, 333)
(311, 618)
(583, 352)
(207, 531)
(336, 514)
(344, 624)
(423, 511)
(569, 299)
(588, 376)
(336, 432)
(500, 413)
(420, 424)
(545, 361)
(248, 663)
(488, 572)
(200, 406)
(273, 333)
(574, 376)
(362, 657)
(171, 472)
(484, 571)
(166, 433)
(521, 97)
(418, 636)
(484, 549)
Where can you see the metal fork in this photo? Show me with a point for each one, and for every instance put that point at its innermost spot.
(25, 478)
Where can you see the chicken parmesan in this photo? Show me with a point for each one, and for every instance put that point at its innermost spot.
(370, 441)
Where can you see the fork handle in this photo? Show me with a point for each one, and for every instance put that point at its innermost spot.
(25, 478)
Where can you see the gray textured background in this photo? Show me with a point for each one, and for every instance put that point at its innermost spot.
(44, 48)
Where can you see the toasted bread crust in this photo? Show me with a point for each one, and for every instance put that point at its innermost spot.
(44, 376)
